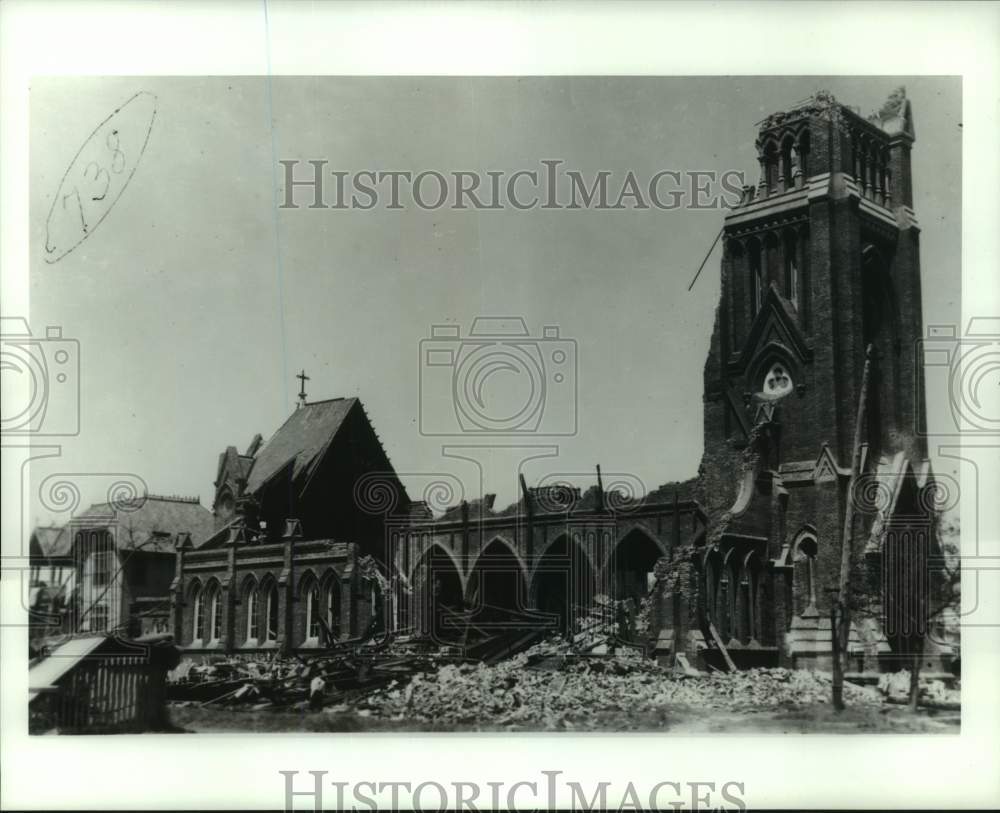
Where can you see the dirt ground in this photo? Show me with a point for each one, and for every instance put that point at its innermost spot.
(816, 719)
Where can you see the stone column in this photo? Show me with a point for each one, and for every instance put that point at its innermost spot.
(182, 544)
(762, 189)
(237, 537)
(286, 587)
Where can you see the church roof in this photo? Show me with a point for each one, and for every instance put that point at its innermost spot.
(300, 442)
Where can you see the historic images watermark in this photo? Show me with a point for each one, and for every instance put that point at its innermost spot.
(41, 381)
(966, 365)
(458, 375)
(550, 185)
(964, 362)
(546, 792)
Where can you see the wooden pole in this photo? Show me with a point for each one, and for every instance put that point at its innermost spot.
(722, 647)
(838, 672)
(847, 548)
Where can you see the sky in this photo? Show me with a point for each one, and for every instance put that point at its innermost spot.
(196, 300)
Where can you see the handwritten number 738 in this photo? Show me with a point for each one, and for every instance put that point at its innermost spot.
(98, 177)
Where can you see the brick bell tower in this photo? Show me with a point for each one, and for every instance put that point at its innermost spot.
(821, 260)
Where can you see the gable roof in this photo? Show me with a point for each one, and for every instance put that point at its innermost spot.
(151, 523)
(300, 442)
(235, 464)
(52, 542)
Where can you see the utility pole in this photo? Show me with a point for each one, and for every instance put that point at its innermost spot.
(836, 608)
(843, 631)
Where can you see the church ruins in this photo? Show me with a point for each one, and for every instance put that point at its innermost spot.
(316, 540)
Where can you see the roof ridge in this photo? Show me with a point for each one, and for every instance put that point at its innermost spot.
(291, 415)
(330, 400)
(174, 498)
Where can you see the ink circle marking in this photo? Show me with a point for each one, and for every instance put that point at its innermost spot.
(98, 175)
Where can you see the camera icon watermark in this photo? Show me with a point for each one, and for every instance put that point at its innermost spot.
(620, 492)
(967, 367)
(41, 381)
(498, 380)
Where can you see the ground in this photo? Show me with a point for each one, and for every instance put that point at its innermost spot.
(815, 718)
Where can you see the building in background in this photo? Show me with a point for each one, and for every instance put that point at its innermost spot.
(115, 563)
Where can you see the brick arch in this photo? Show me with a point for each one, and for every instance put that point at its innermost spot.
(507, 543)
(581, 543)
(430, 550)
(646, 530)
(626, 569)
(556, 589)
(437, 597)
(424, 543)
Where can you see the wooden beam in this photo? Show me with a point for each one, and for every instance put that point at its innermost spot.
(721, 646)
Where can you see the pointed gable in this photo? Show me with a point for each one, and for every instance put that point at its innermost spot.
(826, 468)
(299, 445)
(775, 326)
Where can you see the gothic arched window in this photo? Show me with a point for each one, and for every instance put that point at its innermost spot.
(861, 167)
(253, 612)
(792, 272)
(756, 278)
(787, 170)
(271, 613)
(312, 612)
(198, 614)
(771, 168)
(803, 150)
(214, 594)
(805, 568)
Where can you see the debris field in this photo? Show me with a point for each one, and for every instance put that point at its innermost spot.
(547, 687)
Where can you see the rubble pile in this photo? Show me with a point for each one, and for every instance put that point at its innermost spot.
(281, 682)
(512, 693)
(934, 693)
(554, 684)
